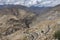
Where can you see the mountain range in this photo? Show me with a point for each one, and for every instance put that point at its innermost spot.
(29, 3)
(19, 22)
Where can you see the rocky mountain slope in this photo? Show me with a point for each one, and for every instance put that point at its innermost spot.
(19, 23)
(14, 19)
(47, 24)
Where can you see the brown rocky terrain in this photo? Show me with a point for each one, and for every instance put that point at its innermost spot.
(22, 24)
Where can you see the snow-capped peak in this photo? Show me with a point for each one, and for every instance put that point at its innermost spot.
(29, 3)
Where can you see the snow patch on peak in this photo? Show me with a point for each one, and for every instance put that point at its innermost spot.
(29, 3)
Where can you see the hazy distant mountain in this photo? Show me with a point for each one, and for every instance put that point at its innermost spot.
(40, 10)
(37, 10)
(52, 13)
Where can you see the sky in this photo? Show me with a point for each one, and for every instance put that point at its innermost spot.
(29, 3)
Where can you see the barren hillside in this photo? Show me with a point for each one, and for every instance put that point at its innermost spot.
(22, 24)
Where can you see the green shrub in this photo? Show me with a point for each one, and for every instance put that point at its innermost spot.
(57, 35)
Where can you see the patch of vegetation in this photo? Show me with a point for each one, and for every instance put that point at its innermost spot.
(57, 35)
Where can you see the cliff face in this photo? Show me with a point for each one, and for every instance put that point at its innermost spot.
(19, 23)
